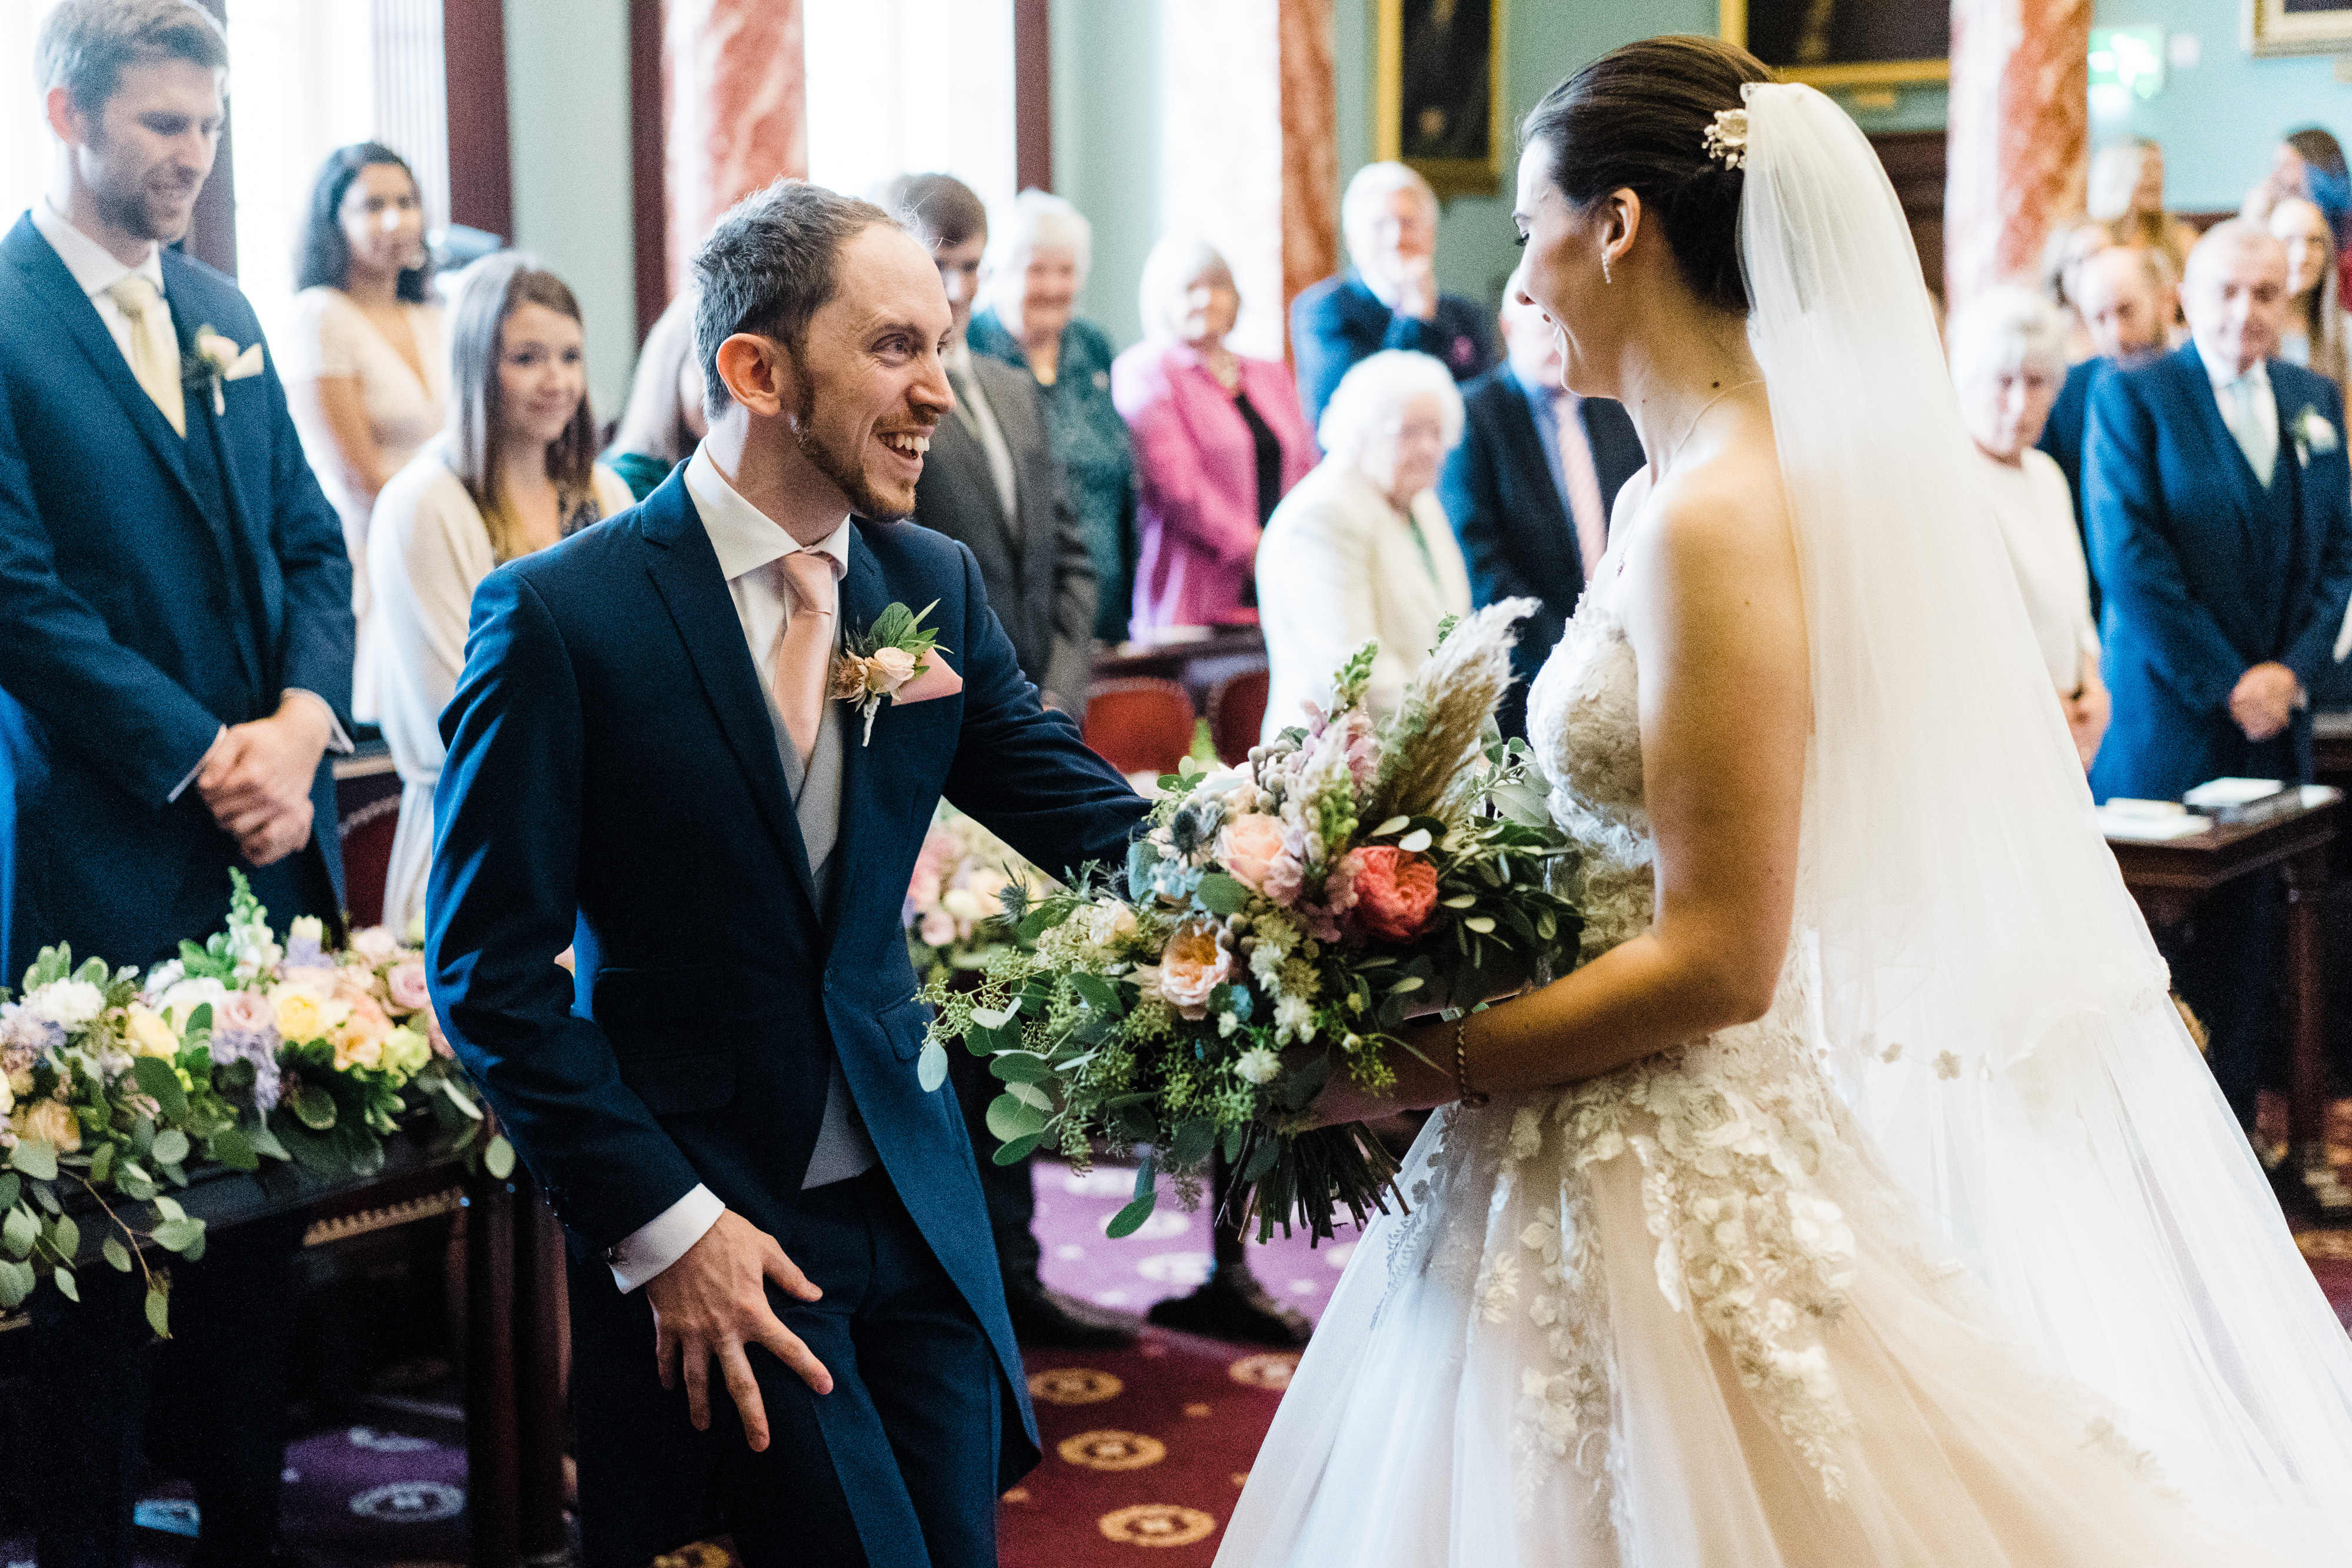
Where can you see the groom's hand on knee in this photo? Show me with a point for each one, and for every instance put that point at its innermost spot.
(712, 1303)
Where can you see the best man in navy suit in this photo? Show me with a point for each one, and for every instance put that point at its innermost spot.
(725, 1104)
(175, 657)
(2221, 522)
(1529, 489)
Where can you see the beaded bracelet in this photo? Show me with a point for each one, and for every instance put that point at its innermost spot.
(1468, 1095)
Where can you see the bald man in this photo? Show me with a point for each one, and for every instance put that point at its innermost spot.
(2219, 505)
(2124, 305)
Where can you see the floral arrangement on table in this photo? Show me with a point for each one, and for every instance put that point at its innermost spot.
(955, 901)
(237, 1051)
(1281, 921)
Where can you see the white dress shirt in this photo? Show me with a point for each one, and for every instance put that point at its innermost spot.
(96, 272)
(2254, 422)
(748, 543)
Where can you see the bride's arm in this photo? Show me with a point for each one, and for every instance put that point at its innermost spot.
(1712, 604)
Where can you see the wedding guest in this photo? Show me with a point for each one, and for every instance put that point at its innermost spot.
(664, 418)
(2071, 242)
(990, 482)
(2126, 194)
(1360, 549)
(2309, 163)
(514, 472)
(366, 372)
(1388, 298)
(175, 662)
(1529, 489)
(2121, 302)
(2315, 334)
(2008, 352)
(1036, 263)
(2221, 522)
(1219, 441)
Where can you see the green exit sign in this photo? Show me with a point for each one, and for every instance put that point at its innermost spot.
(2128, 59)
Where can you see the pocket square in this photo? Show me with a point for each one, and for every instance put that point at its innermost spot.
(936, 680)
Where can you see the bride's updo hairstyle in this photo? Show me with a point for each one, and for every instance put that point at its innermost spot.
(1637, 118)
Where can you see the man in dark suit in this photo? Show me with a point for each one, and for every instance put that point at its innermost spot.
(2221, 520)
(727, 1104)
(2124, 303)
(175, 658)
(991, 482)
(1388, 299)
(1529, 489)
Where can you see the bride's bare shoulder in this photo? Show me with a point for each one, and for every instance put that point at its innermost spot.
(1724, 518)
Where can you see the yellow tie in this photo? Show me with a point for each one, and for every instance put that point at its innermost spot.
(155, 350)
(804, 653)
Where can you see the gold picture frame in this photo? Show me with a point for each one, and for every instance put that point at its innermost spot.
(1731, 19)
(2271, 30)
(1468, 112)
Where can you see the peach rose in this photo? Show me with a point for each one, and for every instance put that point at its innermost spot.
(1396, 892)
(887, 669)
(1194, 965)
(936, 928)
(51, 1121)
(374, 947)
(1248, 847)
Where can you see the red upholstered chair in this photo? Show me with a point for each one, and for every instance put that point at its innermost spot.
(1139, 724)
(1236, 715)
(367, 858)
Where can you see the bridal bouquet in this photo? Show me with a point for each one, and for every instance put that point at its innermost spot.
(1281, 921)
(955, 900)
(239, 1050)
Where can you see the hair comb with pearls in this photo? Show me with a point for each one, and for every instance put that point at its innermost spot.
(1726, 139)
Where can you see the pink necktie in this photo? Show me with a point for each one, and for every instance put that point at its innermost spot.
(804, 653)
(1586, 509)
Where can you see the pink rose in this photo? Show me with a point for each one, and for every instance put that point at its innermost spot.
(374, 946)
(887, 669)
(941, 849)
(1248, 847)
(244, 1012)
(1396, 892)
(937, 929)
(1194, 965)
(406, 986)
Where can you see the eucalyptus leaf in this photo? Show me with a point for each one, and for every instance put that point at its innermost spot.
(1147, 1174)
(66, 1285)
(313, 1107)
(994, 1017)
(64, 1236)
(1010, 1120)
(1393, 825)
(1019, 1149)
(36, 1159)
(175, 1235)
(931, 1067)
(19, 1232)
(16, 1282)
(1021, 1067)
(1415, 842)
(117, 1254)
(1129, 1220)
(170, 1146)
(160, 1078)
(101, 1164)
(1100, 995)
(1483, 925)
(11, 1187)
(1221, 894)
(266, 1144)
(1192, 1144)
(232, 1148)
(169, 1208)
(159, 1311)
(498, 1158)
(1031, 1095)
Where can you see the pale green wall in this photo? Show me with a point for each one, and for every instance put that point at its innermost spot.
(1107, 144)
(568, 118)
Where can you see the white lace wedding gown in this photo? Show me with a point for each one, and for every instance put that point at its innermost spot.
(1681, 1316)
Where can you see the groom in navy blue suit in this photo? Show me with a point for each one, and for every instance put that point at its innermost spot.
(2219, 506)
(175, 657)
(724, 1103)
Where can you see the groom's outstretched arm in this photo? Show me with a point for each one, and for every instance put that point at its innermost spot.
(1022, 770)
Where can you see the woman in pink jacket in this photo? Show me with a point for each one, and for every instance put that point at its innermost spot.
(1219, 439)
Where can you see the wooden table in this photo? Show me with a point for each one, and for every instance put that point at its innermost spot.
(2171, 877)
(1198, 665)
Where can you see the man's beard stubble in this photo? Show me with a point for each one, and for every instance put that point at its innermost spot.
(845, 472)
(136, 209)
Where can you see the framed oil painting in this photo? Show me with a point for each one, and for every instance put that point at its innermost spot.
(1439, 105)
(1848, 43)
(2298, 26)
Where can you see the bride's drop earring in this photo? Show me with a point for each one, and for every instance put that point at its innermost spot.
(1604, 269)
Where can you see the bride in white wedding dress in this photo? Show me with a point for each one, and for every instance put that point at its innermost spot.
(1659, 1299)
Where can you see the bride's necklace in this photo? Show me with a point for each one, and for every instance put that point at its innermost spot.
(1692, 428)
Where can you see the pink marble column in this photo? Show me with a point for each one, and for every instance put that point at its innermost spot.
(1310, 148)
(2019, 135)
(736, 106)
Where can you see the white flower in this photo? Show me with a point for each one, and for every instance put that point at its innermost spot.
(1294, 1018)
(68, 1004)
(2315, 433)
(374, 947)
(1226, 1024)
(179, 1000)
(307, 928)
(1258, 1066)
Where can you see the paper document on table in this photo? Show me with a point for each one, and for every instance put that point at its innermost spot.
(2149, 829)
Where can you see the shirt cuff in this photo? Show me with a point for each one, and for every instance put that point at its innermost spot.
(182, 787)
(337, 741)
(662, 1241)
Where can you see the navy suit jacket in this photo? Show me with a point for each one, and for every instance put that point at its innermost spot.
(1516, 536)
(2068, 426)
(2177, 522)
(613, 783)
(1340, 320)
(142, 608)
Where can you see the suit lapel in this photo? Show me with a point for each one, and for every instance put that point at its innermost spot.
(2228, 457)
(685, 573)
(864, 597)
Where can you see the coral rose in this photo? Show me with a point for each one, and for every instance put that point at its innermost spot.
(1248, 847)
(1194, 965)
(1396, 892)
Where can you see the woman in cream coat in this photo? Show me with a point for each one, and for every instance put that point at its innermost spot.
(1360, 547)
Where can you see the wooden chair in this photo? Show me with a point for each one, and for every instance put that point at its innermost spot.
(1139, 724)
(367, 858)
(1237, 714)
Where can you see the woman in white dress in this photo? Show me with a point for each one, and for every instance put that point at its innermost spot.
(1659, 1299)
(515, 473)
(367, 376)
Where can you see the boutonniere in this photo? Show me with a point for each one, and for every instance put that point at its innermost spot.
(2314, 435)
(896, 658)
(216, 358)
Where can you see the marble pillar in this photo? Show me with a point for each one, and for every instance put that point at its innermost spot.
(1310, 148)
(2019, 136)
(736, 103)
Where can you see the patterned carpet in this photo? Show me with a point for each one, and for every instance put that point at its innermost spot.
(1145, 1449)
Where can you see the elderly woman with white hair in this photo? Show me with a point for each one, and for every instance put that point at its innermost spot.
(2008, 352)
(1219, 441)
(1360, 549)
(1030, 279)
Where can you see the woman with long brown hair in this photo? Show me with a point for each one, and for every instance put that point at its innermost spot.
(515, 471)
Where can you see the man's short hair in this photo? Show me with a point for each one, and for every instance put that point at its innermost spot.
(2233, 235)
(940, 209)
(768, 266)
(86, 44)
(1372, 185)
